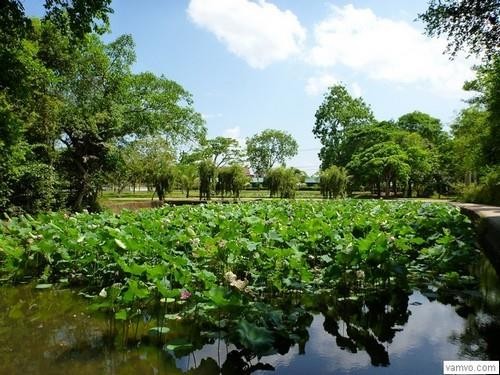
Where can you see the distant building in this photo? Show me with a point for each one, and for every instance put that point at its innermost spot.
(311, 181)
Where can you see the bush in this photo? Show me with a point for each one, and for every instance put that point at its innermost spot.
(486, 192)
(35, 188)
(282, 181)
(333, 182)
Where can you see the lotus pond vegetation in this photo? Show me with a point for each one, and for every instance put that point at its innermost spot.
(249, 278)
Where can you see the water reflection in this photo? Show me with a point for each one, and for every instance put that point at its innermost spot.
(387, 331)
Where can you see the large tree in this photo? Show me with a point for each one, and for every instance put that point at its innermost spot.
(29, 56)
(68, 100)
(486, 85)
(468, 24)
(383, 163)
(428, 127)
(104, 103)
(221, 150)
(469, 130)
(268, 148)
(338, 114)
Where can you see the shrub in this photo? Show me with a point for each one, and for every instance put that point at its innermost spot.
(333, 182)
(486, 192)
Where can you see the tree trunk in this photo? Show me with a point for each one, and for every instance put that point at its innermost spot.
(77, 206)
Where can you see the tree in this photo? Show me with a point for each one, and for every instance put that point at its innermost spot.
(188, 177)
(105, 103)
(231, 179)
(121, 175)
(422, 160)
(268, 148)
(162, 177)
(28, 109)
(152, 160)
(207, 174)
(282, 181)
(384, 162)
(338, 114)
(487, 86)
(77, 17)
(428, 127)
(222, 150)
(64, 86)
(471, 24)
(333, 182)
(470, 131)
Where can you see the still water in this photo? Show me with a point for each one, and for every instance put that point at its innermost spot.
(52, 331)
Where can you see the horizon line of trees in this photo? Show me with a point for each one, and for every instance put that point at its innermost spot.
(74, 117)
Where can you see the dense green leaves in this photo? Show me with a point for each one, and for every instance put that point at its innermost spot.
(268, 148)
(287, 239)
(69, 101)
(338, 114)
(219, 264)
(469, 24)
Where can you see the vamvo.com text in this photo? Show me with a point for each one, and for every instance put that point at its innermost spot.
(470, 367)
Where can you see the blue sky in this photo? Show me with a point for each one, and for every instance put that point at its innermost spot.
(257, 64)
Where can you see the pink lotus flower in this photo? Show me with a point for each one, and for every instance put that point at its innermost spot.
(185, 295)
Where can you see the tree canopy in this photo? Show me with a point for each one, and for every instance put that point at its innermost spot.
(468, 25)
(338, 114)
(268, 148)
(69, 100)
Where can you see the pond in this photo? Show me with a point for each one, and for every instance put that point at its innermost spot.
(386, 331)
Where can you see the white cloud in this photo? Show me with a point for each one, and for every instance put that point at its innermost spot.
(208, 116)
(234, 133)
(257, 31)
(389, 50)
(319, 84)
(356, 90)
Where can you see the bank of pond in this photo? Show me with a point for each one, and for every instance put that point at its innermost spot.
(329, 287)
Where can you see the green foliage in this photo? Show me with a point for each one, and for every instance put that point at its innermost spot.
(70, 101)
(207, 174)
(467, 24)
(268, 244)
(338, 114)
(333, 182)
(268, 148)
(469, 131)
(426, 126)
(79, 16)
(188, 178)
(282, 181)
(222, 150)
(476, 144)
(404, 155)
(156, 161)
(116, 106)
(36, 188)
(382, 162)
(218, 265)
(487, 191)
(487, 87)
(231, 180)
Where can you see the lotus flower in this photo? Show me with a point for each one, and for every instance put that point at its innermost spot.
(185, 295)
